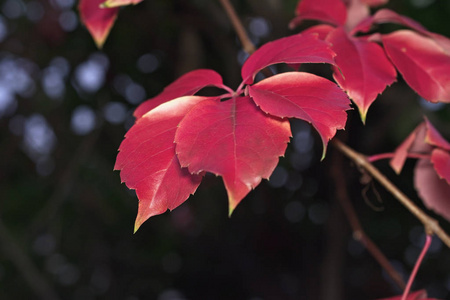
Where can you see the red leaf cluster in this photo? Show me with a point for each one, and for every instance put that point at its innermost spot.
(239, 135)
(367, 64)
(432, 171)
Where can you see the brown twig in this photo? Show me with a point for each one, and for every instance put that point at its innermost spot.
(247, 44)
(431, 225)
(358, 231)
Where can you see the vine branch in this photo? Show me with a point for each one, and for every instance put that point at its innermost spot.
(247, 44)
(431, 225)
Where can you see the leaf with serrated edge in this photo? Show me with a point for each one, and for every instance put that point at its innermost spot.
(147, 160)
(328, 11)
(423, 63)
(98, 21)
(304, 96)
(186, 85)
(115, 3)
(364, 70)
(233, 139)
(295, 49)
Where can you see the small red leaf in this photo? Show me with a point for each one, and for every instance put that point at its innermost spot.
(423, 63)
(233, 139)
(364, 70)
(98, 21)
(148, 163)
(433, 190)
(295, 49)
(304, 96)
(441, 162)
(186, 85)
(434, 138)
(115, 3)
(328, 11)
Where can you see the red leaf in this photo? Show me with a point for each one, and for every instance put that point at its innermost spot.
(322, 30)
(328, 11)
(233, 139)
(356, 12)
(148, 162)
(433, 190)
(364, 70)
(441, 162)
(115, 3)
(295, 49)
(423, 64)
(434, 138)
(304, 96)
(186, 85)
(98, 21)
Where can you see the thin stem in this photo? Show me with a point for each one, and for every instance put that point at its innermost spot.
(416, 266)
(358, 231)
(431, 225)
(380, 156)
(247, 44)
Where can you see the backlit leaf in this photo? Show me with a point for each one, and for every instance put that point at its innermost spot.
(186, 85)
(423, 63)
(304, 96)
(115, 3)
(295, 49)
(328, 11)
(98, 21)
(233, 139)
(147, 160)
(364, 70)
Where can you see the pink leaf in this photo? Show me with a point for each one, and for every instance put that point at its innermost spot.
(328, 11)
(294, 49)
(304, 96)
(233, 139)
(433, 190)
(98, 21)
(434, 138)
(441, 162)
(423, 63)
(364, 71)
(186, 85)
(115, 3)
(356, 12)
(148, 162)
(322, 30)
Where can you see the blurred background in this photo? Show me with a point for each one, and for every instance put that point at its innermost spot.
(66, 221)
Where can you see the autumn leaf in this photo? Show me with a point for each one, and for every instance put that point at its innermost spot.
(295, 49)
(329, 11)
(147, 160)
(304, 96)
(233, 139)
(186, 85)
(364, 71)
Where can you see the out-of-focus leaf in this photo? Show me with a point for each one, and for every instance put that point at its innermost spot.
(441, 162)
(304, 96)
(147, 160)
(364, 70)
(328, 11)
(434, 138)
(433, 190)
(295, 49)
(422, 294)
(423, 63)
(374, 3)
(233, 139)
(115, 3)
(98, 21)
(186, 85)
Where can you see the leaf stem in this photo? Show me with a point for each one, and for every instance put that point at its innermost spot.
(380, 156)
(431, 225)
(247, 44)
(416, 266)
(342, 196)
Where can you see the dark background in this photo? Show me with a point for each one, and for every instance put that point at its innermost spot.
(66, 221)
